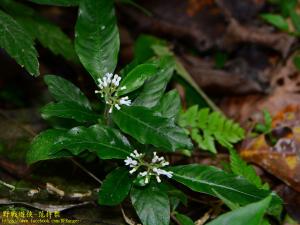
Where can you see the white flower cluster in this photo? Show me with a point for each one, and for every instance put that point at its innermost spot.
(136, 161)
(109, 85)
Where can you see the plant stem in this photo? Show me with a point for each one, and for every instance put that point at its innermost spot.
(106, 115)
(7, 185)
(126, 218)
(173, 217)
(86, 171)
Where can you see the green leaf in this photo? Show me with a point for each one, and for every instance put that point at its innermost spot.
(209, 180)
(220, 59)
(115, 187)
(287, 6)
(205, 141)
(251, 214)
(169, 105)
(227, 202)
(42, 146)
(276, 20)
(64, 90)
(149, 128)
(296, 61)
(183, 219)
(48, 34)
(176, 196)
(206, 127)
(148, 46)
(267, 126)
(107, 143)
(155, 87)
(97, 38)
(151, 204)
(57, 2)
(136, 77)
(240, 167)
(18, 43)
(295, 17)
(189, 118)
(143, 47)
(69, 110)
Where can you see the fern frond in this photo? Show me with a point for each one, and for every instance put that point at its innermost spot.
(206, 128)
(240, 167)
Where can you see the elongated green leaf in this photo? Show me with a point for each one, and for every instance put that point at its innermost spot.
(295, 17)
(70, 110)
(50, 36)
(115, 187)
(183, 219)
(276, 20)
(42, 146)
(136, 77)
(209, 180)
(148, 46)
(107, 143)
(57, 2)
(227, 202)
(18, 43)
(251, 214)
(151, 204)
(143, 47)
(47, 33)
(155, 87)
(149, 128)
(97, 39)
(169, 105)
(64, 90)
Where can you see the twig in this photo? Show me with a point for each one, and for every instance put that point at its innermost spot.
(204, 218)
(12, 187)
(175, 219)
(86, 171)
(126, 218)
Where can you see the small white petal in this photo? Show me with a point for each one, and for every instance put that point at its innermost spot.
(136, 154)
(133, 170)
(109, 75)
(158, 179)
(154, 159)
(117, 106)
(143, 174)
(165, 163)
(104, 83)
(169, 174)
(161, 159)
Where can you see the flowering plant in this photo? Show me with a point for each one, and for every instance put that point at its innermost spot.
(138, 113)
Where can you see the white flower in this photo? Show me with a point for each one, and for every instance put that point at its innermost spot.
(158, 171)
(125, 101)
(109, 86)
(130, 162)
(136, 162)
